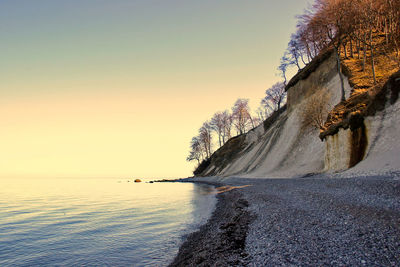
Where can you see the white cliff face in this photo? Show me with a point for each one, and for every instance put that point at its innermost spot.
(325, 77)
(284, 149)
(383, 150)
(338, 151)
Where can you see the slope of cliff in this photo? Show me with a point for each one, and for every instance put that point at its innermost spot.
(279, 147)
(282, 148)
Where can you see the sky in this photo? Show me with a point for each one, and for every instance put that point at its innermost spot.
(100, 88)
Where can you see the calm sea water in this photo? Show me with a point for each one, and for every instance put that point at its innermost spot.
(97, 222)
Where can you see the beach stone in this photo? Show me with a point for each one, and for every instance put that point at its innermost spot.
(318, 220)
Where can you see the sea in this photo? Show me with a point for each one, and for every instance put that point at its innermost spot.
(98, 222)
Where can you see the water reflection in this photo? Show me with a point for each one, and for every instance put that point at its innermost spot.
(97, 221)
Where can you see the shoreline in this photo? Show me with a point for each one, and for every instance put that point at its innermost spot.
(221, 241)
(316, 220)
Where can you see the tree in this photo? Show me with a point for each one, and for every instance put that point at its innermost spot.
(333, 17)
(241, 115)
(217, 124)
(315, 111)
(196, 151)
(256, 121)
(283, 66)
(227, 119)
(294, 51)
(337, 23)
(368, 15)
(274, 97)
(205, 138)
(261, 113)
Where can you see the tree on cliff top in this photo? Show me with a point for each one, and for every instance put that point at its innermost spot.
(275, 96)
(217, 124)
(241, 115)
(196, 151)
(206, 138)
(227, 119)
(336, 23)
(221, 123)
(331, 20)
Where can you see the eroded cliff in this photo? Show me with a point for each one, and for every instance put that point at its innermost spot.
(281, 147)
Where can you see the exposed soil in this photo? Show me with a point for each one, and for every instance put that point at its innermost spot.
(367, 97)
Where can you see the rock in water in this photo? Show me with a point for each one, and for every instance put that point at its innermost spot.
(138, 181)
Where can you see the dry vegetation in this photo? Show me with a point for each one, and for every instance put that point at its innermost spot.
(365, 37)
(314, 112)
(365, 90)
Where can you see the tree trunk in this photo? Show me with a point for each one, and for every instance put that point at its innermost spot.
(365, 52)
(397, 48)
(206, 149)
(386, 33)
(252, 122)
(372, 56)
(209, 145)
(315, 50)
(373, 63)
(351, 49)
(302, 59)
(297, 63)
(343, 97)
(284, 78)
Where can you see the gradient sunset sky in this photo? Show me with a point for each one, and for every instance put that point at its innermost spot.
(117, 88)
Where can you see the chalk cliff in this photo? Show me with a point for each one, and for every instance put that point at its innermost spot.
(280, 147)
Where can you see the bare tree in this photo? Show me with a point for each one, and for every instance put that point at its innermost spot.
(261, 113)
(256, 121)
(205, 138)
(217, 123)
(333, 17)
(196, 150)
(368, 15)
(315, 111)
(283, 66)
(275, 96)
(294, 51)
(241, 115)
(227, 119)
(337, 23)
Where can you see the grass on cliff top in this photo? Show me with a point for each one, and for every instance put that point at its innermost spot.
(362, 82)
